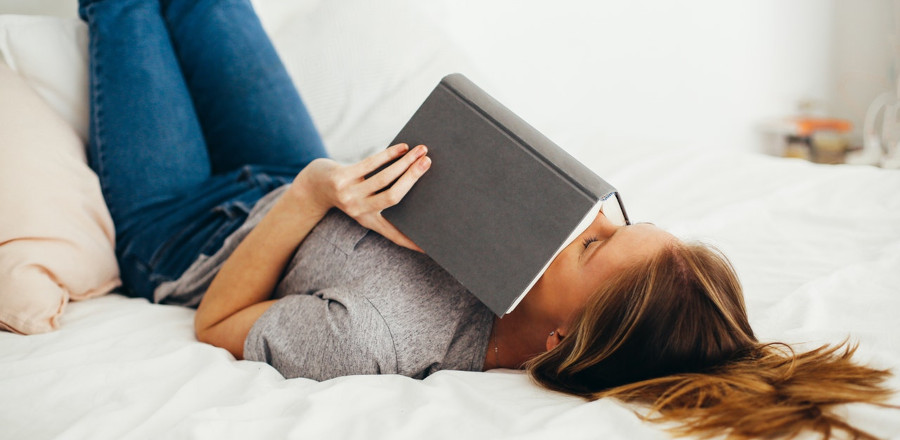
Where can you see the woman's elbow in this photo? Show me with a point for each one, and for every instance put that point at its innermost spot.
(219, 337)
(201, 329)
(202, 335)
(228, 332)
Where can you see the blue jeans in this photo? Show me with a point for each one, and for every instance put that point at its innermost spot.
(193, 119)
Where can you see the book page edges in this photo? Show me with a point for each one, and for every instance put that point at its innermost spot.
(614, 210)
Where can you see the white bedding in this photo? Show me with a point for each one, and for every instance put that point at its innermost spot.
(817, 248)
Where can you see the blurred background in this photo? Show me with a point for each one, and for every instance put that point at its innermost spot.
(712, 74)
(701, 73)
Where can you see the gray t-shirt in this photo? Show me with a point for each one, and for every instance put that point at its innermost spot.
(352, 302)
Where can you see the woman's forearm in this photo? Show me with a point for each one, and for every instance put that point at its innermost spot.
(240, 292)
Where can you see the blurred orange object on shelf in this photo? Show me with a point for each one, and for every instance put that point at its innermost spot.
(806, 126)
(816, 138)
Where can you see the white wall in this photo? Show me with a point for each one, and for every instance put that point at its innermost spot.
(691, 72)
(865, 55)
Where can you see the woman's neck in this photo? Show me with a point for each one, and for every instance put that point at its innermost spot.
(514, 339)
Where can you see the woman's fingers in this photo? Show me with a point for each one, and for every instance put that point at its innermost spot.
(387, 230)
(390, 197)
(386, 176)
(398, 190)
(371, 163)
(363, 199)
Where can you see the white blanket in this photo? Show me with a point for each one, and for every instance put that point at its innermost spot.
(817, 248)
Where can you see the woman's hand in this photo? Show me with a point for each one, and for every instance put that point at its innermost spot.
(332, 185)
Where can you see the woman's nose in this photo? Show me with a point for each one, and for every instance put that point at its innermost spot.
(602, 226)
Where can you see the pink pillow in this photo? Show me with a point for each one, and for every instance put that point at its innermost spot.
(56, 235)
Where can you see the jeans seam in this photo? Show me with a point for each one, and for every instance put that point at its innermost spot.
(97, 97)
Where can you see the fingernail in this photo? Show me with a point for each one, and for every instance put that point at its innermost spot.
(426, 162)
(402, 147)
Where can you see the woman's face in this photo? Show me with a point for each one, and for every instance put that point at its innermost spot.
(588, 262)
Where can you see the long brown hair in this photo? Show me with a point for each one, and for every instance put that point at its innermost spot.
(673, 334)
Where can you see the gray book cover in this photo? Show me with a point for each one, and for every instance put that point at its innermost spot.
(500, 199)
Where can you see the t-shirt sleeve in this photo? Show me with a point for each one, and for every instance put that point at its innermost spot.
(321, 336)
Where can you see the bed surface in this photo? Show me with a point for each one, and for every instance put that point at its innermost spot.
(817, 248)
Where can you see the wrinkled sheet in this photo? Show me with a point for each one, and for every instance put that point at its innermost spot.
(817, 249)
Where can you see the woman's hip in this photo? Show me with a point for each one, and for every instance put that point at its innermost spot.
(160, 243)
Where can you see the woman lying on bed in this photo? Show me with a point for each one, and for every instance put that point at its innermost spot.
(222, 196)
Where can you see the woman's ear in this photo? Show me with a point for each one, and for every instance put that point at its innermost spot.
(554, 338)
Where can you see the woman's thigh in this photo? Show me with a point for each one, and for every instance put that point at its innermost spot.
(146, 145)
(246, 102)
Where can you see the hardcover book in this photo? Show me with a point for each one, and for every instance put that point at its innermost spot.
(500, 200)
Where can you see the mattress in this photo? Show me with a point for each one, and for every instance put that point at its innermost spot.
(817, 249)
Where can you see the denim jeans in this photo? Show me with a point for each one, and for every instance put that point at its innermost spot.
(193, 119)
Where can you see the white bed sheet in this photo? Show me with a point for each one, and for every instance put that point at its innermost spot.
(817, 248)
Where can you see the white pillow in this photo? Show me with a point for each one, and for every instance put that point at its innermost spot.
(50, 53)
(362, 67)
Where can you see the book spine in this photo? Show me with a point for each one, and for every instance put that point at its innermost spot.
(533, 141)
